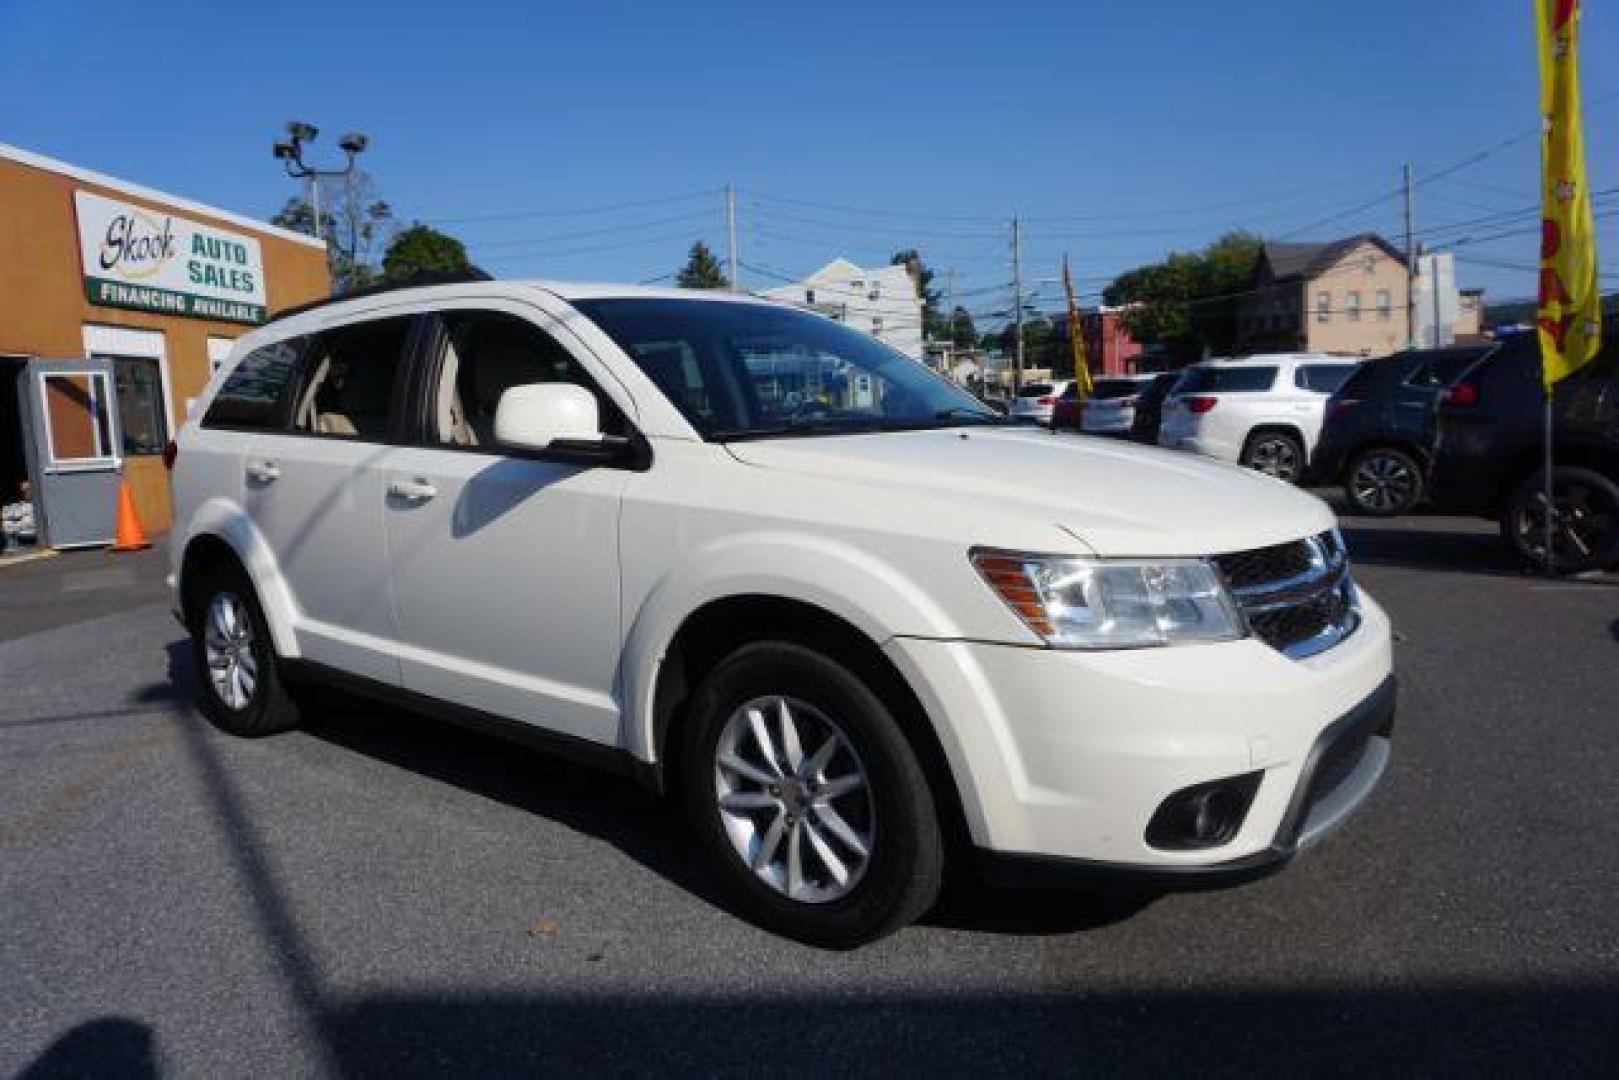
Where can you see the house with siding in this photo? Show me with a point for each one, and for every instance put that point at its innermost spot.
(1345, 296)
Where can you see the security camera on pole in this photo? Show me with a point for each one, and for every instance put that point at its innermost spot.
(290, 152)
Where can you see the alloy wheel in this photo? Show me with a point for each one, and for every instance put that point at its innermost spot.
(1583, 519)
(233, 670)
(795, 799)
(1276, 457)
(1383, 483)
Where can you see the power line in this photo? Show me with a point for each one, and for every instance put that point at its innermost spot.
(583, 211)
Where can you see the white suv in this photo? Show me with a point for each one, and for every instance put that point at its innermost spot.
(1036, 401)
(1264, 412)
(747, 554)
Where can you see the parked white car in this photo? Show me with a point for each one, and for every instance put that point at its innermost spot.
(746, 554)
(1035, 401)
(1264, 411)
(1111, 408)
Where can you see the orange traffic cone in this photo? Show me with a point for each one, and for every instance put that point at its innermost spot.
(129, 536)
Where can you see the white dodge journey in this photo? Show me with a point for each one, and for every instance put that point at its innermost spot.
(854, 619)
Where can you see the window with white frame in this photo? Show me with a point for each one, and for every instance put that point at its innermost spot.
(1385, 305)
(140, 384)
(1352, 306)
(1323, 306)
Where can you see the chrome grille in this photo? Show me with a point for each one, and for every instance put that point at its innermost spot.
(1298, 597)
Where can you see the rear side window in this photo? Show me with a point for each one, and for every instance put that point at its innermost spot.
(1444, 367)
(1227, 380)
(349, 388)
(255, 392)
(1322, 378)
(1115, 388)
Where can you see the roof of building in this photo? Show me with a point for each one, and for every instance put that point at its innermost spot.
(1307, 260)
(175, 202)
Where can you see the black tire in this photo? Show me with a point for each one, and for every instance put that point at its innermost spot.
(1586, 535)
(270, 708)
(902, 875)
(1276, 453)
(1383, 481)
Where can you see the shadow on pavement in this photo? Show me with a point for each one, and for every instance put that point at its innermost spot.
(107, 1047)
(1409, 1030)
(1400, 544)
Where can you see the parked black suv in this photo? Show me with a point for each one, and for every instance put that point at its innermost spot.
(1489, 453)
(1377, 439)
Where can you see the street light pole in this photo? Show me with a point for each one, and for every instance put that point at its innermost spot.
(290, 152)
(1017, 305)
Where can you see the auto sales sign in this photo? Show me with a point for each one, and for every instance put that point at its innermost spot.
(135, 257)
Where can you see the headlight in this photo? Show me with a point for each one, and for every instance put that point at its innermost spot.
(1076, 603)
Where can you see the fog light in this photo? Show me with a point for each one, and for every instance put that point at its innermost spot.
(1203, 815)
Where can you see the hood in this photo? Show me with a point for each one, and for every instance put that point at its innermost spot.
(1118, 499)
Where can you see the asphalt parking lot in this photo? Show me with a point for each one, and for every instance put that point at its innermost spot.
(381, 895)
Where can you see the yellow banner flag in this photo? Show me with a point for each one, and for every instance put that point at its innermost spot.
(1076, 336)
(1570, 317)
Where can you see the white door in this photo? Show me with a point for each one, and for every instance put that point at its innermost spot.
(317, 492)
(504, 569)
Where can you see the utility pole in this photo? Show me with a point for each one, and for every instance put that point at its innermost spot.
(1410, 262)
(1017, 305)
(730, 236)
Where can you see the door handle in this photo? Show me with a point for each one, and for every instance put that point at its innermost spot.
(414, 490)
(264, 472)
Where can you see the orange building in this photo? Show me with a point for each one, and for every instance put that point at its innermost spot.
(116, 304)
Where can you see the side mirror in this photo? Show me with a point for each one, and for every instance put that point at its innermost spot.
(534, 416)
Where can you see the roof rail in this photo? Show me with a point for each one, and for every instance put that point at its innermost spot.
(426, 277)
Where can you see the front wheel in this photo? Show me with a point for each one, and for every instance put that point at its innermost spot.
(1275, 453)
(808, 799)
(1383, 482)
(1585, 520)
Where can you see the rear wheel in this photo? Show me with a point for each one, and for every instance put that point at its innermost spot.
(240, 688)
(1275, 453)
(1585, 520)
(1383, 481)
(808, 799)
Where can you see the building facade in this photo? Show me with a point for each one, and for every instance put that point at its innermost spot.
(150, 286)
(1348, 296)
(1109, 348)
(882, 301)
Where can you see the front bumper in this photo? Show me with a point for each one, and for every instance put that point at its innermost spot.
(1067, 755)
(1343, 768)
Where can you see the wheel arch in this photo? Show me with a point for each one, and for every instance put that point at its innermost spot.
(723, 624)
(223, 534)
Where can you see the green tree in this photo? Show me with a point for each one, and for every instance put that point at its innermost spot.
(422, 249)
(355, 222)
(1189, 301)
(962, 331)
(702, 270)
(934, 324)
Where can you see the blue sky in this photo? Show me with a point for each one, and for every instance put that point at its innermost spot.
(1119, 131)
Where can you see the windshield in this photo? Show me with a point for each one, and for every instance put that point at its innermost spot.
(740, 371)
